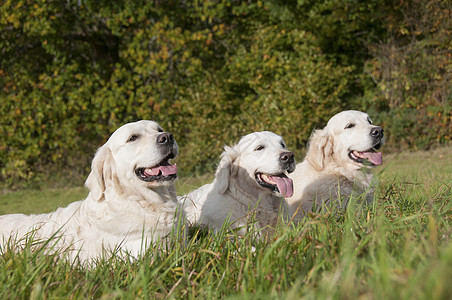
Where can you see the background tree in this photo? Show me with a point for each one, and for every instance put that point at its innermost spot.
(71, 72)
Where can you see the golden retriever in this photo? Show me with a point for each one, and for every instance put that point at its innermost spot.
(335, 165)
(250, 182)
(131, 202)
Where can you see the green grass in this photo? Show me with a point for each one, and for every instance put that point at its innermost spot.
(39, 201)
(397, 249)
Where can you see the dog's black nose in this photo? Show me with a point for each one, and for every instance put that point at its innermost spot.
(376, 132)
(287, 157)
(165, 138)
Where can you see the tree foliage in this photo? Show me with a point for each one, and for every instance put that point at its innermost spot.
(71, 72)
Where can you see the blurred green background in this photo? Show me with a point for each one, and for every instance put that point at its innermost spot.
(71, 72)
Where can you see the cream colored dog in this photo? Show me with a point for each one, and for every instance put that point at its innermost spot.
(335, 164)
(251, 181)
(131, 203)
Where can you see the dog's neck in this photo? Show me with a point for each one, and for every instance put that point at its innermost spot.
(264, 206)
(147, 198)
(254, 196)
(362, 176)
(165, 194)
(360, 179)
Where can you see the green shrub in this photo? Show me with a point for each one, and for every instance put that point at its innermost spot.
(413, 73)
(71, 72)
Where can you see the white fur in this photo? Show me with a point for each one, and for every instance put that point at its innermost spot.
(327, 174)
(234, 194)
(120, 211)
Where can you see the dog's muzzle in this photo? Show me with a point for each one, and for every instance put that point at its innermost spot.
(287, 160)
(377, 133)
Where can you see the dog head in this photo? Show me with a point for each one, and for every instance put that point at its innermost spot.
(348, 142)
(260, 161)
(136, 154)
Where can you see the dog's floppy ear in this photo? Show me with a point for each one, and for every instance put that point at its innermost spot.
(226, 168)
(320, 147)
(101, 171)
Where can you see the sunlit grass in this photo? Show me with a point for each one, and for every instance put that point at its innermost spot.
(39, 201)
(397, 249)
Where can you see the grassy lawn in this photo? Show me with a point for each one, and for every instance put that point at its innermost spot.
(398, 249)
(47, 200)
(39, 201)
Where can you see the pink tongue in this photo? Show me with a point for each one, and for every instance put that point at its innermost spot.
(284, 184)
(374, 157)
(168, 170)
(164, 170)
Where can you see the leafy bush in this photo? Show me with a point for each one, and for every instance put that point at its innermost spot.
(413, 73)
(71, 72)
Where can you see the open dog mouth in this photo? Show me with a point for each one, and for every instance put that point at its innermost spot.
(277, 183)
(164, 171)
(370, 156)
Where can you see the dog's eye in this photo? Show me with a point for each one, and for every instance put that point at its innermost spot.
(259, 148)
(283, 145)
(133, 137)
(350, 125)
(369, 120)
(160, 130)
